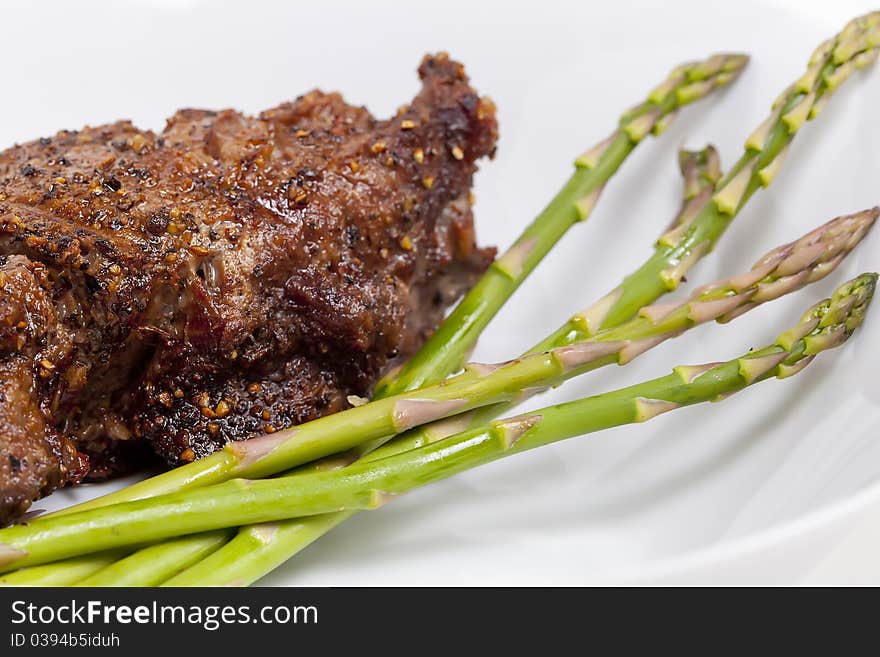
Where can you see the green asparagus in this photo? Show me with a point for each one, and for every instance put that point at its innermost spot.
(765, 149)
(261, 549)
(687, 83)
(711, 210)
(371, 485)
(255, 551)
(62, 573)
(854, 48)
(700, 169)
(782, 270)
(830, 65)
(154, 564)
(447, 349)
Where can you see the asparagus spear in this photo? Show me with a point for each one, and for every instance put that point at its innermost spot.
(782, 270)
(765, 149)
(708, 214)
(365, 486)
(255, 550)
(684, 244)
(62, 573)
(155, 564)
(676, 252)
(447, 349)
(700, 171)
(685, 84)
(704, 220)
(830, 65)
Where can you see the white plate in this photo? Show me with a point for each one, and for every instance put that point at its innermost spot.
(760, 488)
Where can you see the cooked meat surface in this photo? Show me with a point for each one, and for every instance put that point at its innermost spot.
(228, 277)
(34, 457)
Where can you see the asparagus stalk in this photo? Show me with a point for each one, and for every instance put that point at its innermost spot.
(708, 214)
(689, 240)
(62, 573)
(765, 149)
(260, 550)
(676, 252)
(254, 552)
(153, 565)
(700, 170)
(687, 83)
(830, 65)
(257, 550)
(364, 486)
(784, 269)
(447, 349)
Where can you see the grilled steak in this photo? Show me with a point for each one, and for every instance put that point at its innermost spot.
(228, 277)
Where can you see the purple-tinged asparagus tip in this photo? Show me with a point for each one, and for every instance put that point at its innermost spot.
(791, 336)
(827, 339)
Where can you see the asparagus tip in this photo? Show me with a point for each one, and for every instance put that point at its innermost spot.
(786, 340)
(786, 371)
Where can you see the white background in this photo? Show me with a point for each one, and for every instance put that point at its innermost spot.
(774, 485)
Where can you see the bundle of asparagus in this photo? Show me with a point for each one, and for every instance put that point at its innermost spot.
(405, 439)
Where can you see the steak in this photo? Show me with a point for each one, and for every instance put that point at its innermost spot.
(229, 277)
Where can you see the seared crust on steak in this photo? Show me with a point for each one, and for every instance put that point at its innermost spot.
(34, 457)
(228, 277)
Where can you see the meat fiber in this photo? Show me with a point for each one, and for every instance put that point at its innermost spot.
(226, 278)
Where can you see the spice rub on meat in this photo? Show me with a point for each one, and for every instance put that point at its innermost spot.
(226, 278)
